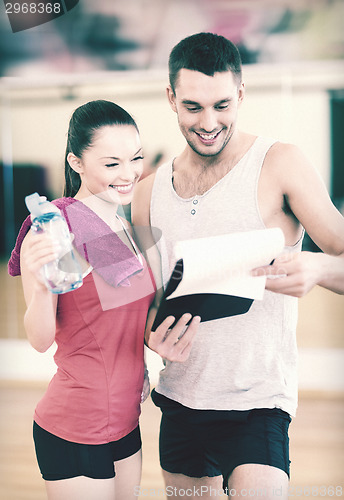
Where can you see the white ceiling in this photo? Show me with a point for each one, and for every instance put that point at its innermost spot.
(139, 34)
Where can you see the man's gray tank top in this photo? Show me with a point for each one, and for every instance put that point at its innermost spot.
(241, 362)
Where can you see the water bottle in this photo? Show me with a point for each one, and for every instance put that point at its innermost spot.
(64, 273)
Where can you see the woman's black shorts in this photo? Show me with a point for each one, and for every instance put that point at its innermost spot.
(200, 443)
(61, 459)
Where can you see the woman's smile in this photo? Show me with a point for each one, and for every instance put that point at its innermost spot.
(123, 188)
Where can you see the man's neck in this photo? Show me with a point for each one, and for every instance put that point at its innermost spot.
(194, 174)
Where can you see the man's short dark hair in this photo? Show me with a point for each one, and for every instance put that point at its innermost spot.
(207, 53)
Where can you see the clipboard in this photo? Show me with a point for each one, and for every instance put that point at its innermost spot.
(211, 276)
(208, 306)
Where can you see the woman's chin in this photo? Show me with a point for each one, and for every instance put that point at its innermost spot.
(120, 198)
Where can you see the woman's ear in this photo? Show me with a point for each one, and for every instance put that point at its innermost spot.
(75, 163)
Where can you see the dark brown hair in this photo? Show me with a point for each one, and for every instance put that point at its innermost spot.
(85, 121)
(207, 53)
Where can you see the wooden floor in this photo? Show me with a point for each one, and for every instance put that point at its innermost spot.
(317, 447)
(317, 433)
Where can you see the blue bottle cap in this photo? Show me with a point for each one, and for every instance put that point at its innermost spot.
(38, 205)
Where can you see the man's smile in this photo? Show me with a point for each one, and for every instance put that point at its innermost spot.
(208, 138)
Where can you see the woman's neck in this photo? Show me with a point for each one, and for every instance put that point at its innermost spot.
(106, 210)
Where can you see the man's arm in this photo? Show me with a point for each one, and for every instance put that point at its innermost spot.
(174, 343)
(308, 199)
(140, 216)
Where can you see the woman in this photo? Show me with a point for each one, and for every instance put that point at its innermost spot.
(86, 429)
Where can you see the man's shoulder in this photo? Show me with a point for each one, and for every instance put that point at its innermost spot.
(285, 165)
(140, 205)
(145, 186)
(283, 155)
(281, 148)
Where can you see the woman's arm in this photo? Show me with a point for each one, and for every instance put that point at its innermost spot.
(40, 316)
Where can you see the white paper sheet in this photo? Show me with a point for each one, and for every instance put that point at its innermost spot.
(222, 264)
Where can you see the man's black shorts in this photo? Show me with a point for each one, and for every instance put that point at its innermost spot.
(61, 459)
(200, 443)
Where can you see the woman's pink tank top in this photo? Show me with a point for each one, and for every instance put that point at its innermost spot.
(95, 395)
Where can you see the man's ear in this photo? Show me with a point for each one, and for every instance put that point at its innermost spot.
(171, 98)
(74, 163)
(241, 92)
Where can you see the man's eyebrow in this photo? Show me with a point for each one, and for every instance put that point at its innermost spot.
(223, 101)
(187, 101)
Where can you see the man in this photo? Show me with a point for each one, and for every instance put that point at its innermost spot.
(226, 408)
